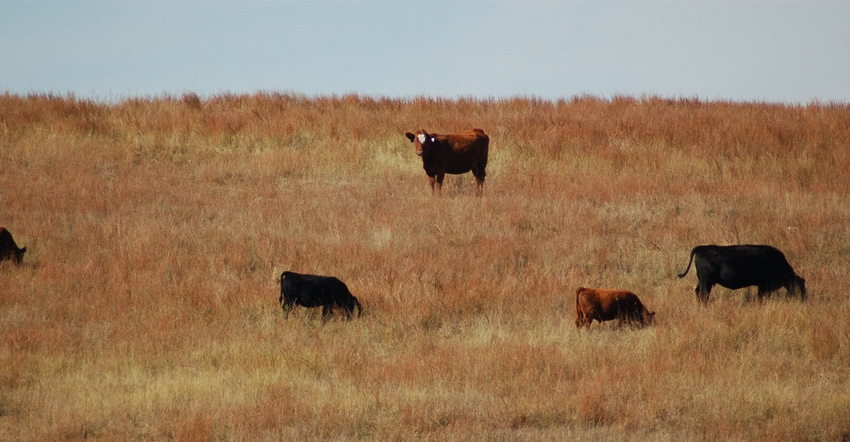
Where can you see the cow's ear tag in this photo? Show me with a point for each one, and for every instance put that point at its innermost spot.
(422, 138)
(433, 139)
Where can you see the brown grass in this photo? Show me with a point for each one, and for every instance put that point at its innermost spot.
(156, 229)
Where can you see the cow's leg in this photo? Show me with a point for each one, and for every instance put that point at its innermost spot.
(584, 320)
(347, 307)
(703, 292)
(624, 317)
(287, 307)
(432, 180)
(589, 320)
(326, 311)
(763, 291)
(581, 320)
(479, 181)
(630, 318)
(439, 183)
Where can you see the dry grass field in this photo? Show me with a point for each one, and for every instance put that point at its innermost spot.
(157, 228)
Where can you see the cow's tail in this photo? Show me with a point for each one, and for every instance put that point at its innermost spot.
(690, 260)
(579, 312)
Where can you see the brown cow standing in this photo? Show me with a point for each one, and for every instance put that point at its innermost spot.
(8, 248)
(605, 305)
(455, 153)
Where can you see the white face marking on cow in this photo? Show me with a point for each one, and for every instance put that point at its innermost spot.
(422, 138)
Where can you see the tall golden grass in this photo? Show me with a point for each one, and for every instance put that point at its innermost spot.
(156, 229)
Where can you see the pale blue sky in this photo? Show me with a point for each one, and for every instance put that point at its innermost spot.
(792, 52)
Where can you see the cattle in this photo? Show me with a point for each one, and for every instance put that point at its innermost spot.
(605, 305)
(740, 266)
(8, 248)
(455, 153)
(316, 291)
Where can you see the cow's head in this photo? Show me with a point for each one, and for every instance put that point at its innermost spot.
(421, 140)
(648, 317)
(13, 254)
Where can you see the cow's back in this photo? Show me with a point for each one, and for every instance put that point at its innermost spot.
(468, 139)
(741, 266)
(466, 146)
(747, 256)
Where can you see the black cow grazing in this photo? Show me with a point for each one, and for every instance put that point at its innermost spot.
(452, 153)
(314, 291)
(8, 248)
(736, 267)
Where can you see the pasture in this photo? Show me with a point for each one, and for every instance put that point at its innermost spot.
(157, 228)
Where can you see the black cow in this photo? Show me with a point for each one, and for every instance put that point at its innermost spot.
(736, 267)
(314, 291)
(8, 248)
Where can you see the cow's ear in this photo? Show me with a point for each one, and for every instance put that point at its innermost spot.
(23, 250)
(410, 136)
